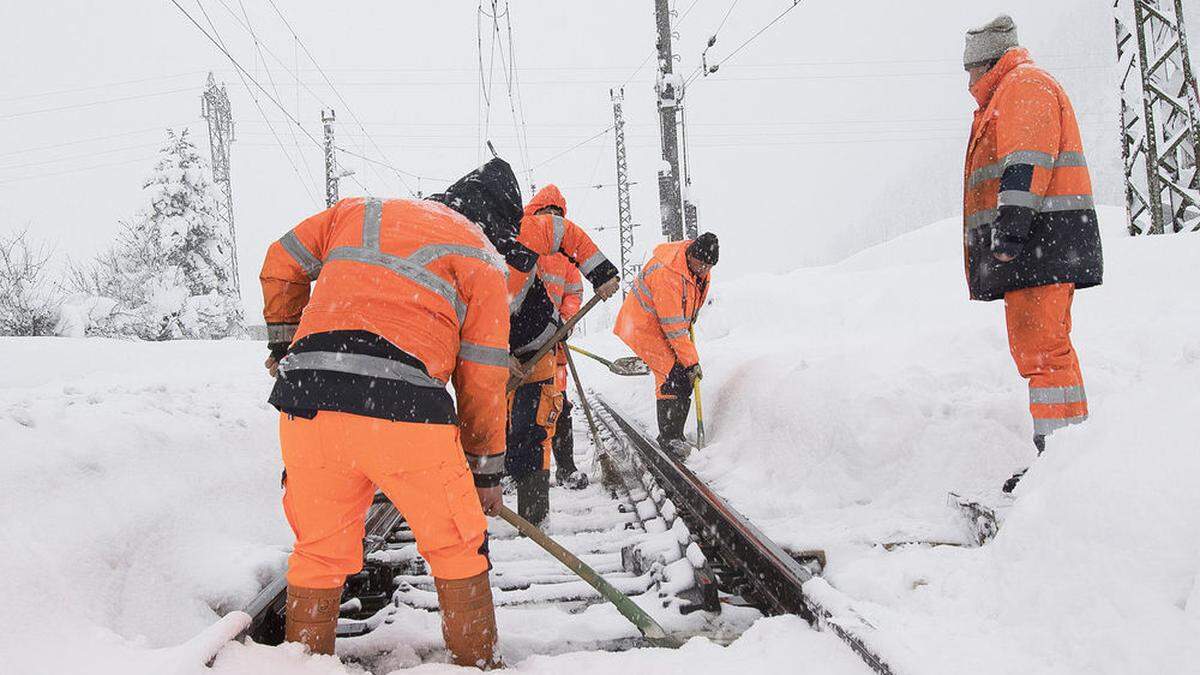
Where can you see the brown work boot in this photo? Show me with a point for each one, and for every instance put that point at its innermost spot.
(469, 621)
(310, 617)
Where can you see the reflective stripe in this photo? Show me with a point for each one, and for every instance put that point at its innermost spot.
(996, 170)
(372, 222)
(1034, 157)
(645, 306)
(406, 269)
(303, 257)
(1057, 395)
(1019, 198)
(359, 364)
(281, 332)
(672, 319)
(573, 288)
(647, 270)
(1067, 203)
(482, 354)
(537, 342)
(431, 252)
(553, 279)
(980, 218)
(1070, 159)
(560, 230)
(645, 290)
(1045, 426)
(592, 263)
(486, 464)
(519, 299)
(671, 335)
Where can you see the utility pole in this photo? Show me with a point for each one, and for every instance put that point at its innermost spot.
(624, 211)
(215, 109)
(1160, 117)
(331, 172)
(667, 86)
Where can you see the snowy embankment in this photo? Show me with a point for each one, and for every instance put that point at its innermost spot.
(843, 402)
(139, 501)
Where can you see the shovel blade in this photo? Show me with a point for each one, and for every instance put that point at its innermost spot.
(630, 365)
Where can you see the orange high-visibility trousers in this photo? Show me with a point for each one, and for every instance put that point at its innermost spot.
(334, 462)
(1039, 337)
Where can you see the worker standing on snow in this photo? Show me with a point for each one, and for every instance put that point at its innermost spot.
(1030, 234)
(410, 295)
(535, 405)
(565, 288)
(656, 321)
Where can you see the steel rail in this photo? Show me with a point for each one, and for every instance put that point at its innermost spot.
(776, 579)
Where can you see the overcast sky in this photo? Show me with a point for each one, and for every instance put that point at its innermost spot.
(842, 124)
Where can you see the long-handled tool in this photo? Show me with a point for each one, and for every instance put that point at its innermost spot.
(514, 381)
(645, 623)
(699, 405)
(600, 455)
(629, 366)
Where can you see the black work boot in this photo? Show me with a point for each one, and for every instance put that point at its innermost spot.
(672, 416)
(533, 497)
(1039, 442)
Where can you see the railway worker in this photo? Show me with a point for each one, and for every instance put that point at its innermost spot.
(656, 322)
(565, 288)
(535, 405)
(1030, 235)
(409, 294)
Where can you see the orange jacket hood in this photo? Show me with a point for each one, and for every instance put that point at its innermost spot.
(547, 196)
(985, 88)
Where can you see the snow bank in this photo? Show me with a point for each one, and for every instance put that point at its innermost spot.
(139, 497)
(843, 402)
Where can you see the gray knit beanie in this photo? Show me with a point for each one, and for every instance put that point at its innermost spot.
(989, 41)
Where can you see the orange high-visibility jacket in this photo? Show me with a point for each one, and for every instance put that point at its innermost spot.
(661, 306)
(1026, 188)
(534, 317)
(407, 295)
(563, 284)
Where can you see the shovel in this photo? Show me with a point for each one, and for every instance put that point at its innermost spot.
(649, 628)
(629, 366)
(514, 381)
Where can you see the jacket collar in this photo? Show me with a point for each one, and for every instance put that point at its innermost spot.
(986, 87)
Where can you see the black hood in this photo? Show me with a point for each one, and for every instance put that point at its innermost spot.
(489, 196)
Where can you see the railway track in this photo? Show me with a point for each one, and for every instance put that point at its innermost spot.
(647, 524)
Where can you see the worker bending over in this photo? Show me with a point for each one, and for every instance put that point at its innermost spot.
(410, 296)
(535, 405)
(656, 322)
(1030, 234)
(563, 285)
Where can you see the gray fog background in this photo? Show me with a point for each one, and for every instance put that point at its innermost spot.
(841, 126)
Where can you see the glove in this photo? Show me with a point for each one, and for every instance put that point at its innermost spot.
(695, 374)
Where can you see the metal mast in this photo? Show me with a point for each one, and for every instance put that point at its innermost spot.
(331, 172)
(629, 268)
(1159, 117)
(666, 86)
(215, 109)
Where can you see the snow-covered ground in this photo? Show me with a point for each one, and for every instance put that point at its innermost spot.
(139, 486)
(842, 403)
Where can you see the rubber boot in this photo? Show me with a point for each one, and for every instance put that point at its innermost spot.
(469, 621)
(310, 617)
(1039, 442)
(672, 416)
(563, 444)
(533, 496)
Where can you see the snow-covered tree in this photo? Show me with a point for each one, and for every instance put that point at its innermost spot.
(169, 270)
(28, 302)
